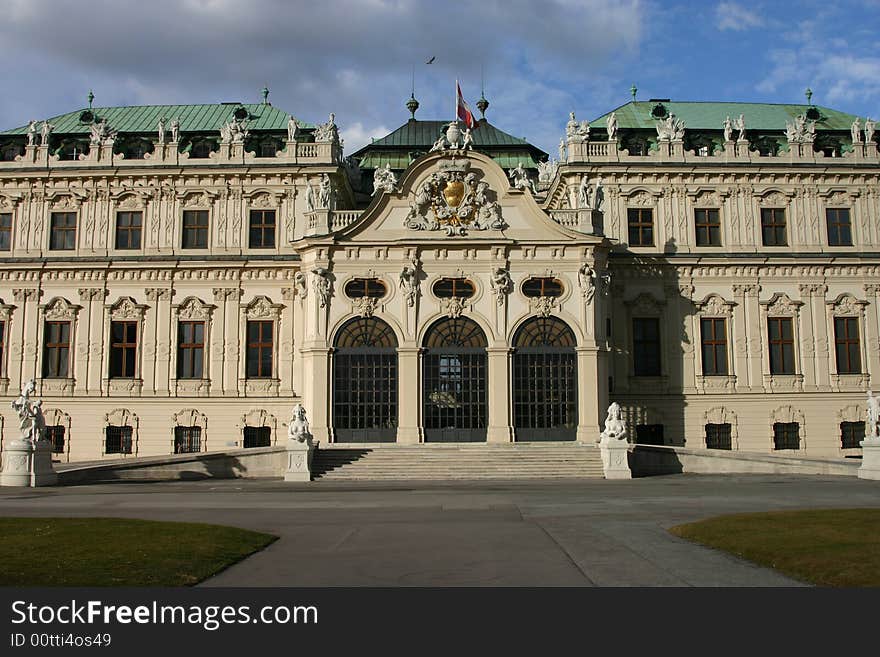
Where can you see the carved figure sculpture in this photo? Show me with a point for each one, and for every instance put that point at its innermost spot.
(322, 285)
(467, 142)
(298, 430)
(670, 129)
(615, 427)
(872, 428)
(611, 126)
(310, 198)
(101, 133)
(31, 132)
(45, 131)
(869, 130)
(31, 423)
(299, 283)
(571, 127)
(856, 131)
(740, 125)
(409, 282)
(587, 282)
(175, 130)
(584, 193)
(562, 150)
(599, 196)
(728, 129)
(325, 192)
(800, 131)
(439, 145)
(501, 284)
(328, 131)
(292, 128)
(384, 180)
(161, 130)
(520, 178)
(547, 170)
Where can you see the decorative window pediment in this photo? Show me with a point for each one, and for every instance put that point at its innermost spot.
(715, 306)
(787, 414)
(196, 199)
(5, 310)
(121, 417)
(60, 308)
(193, 308)
(190, 417)
(781, 305)
(774, 199)
(837, 198)
(645, 304)
(261, 307)
(642, 198)
(65, 201)
(263, 200)
(707, 199)
(846, 305)
(127, 308)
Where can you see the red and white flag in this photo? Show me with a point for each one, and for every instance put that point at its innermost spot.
(463, 111)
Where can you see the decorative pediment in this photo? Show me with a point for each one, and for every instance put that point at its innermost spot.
(714, 306)
(263, 200)
(787, 414)
(258, 417)
(190, 417)
(707, 199)
(121, 417)
(196, 198)
(261, 307)
(454, 199)
(193, 308)
(780, 304)
(56, 417)
(127, 308)
(641, 197)
(846, 305)
(774, 199)
(9, 201)
(5, 310)
(60, 308)
(646, 304)
(60, 201)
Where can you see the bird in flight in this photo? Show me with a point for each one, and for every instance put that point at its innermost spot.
(431, 61)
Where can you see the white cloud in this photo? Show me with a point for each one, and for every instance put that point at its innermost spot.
(348, 56)
(732, 16)
(357, 135)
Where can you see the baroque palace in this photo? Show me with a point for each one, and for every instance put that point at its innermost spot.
(177, 278)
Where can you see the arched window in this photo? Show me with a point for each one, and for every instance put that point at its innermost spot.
(544, 381)
(542, 287)
(365, 382)
(447, 288)
(358, 288)
(454, 381)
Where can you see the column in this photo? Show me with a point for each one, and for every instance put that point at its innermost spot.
(409, 385)
(500, 430)
(316, 400)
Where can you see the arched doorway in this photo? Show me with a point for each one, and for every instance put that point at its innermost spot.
(544, 381)
(365, 382)
(454, 382)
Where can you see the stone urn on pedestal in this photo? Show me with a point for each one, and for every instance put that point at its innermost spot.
(870, 468)
(27, 461)
(614, 446)
(300, 447)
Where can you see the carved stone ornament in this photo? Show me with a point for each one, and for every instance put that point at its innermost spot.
(715, 306)
(409, 282)
(455, 200)
(847, 306)
(641, 198)
(60, 308)
(365, 306)
(645, 304)
(774, 200)
(322, 285)
(299, 283)
(542, 306)
(262, 308)
(501, 284)
(453, 306)
(587, 282)
(194, 309)
(782, 305)
(127, 309)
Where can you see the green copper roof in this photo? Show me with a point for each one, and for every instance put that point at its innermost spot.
(709, 116)
(193, 118)
(416, 137)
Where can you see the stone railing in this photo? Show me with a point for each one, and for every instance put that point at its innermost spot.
(343, 218)
(169, 154)
(732, 151)
(567, 218)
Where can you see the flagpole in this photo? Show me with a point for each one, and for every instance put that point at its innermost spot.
(455, 113)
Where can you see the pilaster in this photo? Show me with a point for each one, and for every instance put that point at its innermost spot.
(807, 346)
(872, 331)
(499, 430)
(408, 407)
(589, 395)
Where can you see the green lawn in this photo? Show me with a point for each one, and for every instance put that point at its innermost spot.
(118, 551)
(837, 547)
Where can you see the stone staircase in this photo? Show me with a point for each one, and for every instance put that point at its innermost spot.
(460, 461)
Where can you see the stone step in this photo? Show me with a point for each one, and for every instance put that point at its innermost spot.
(466, 461)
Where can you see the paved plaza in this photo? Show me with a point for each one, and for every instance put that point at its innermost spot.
(536, 533)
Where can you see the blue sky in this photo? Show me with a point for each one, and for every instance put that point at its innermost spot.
(355, 58)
